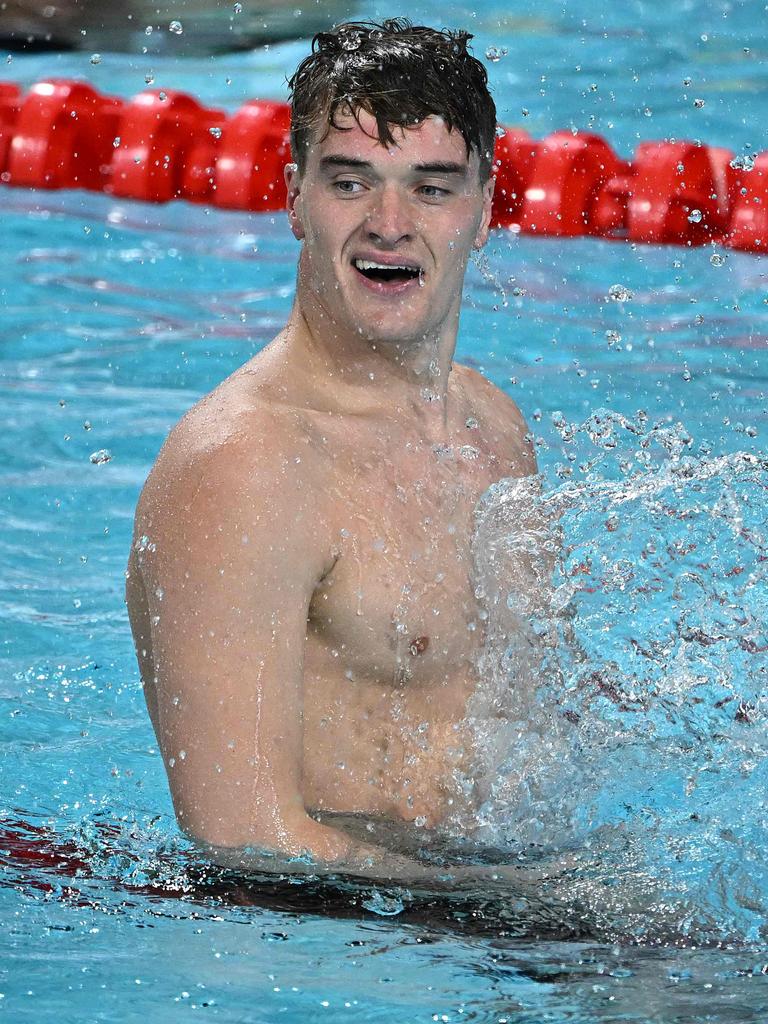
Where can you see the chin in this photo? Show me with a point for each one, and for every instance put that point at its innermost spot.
(390, 333)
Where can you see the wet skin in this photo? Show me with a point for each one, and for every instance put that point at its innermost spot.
(300, 585)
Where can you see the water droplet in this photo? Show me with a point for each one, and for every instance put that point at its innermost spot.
(695, 216)
(471, 423)
(183, 755)
(95, 58)
(619, 293)
(647, 111)
(698, 103)
(613, 338)
(745, 162)
(101, 456)
(116, 141)
(717, 259)
(524, 111)
(171, 762)
(500, 132)
(149, 77)
(420, 821)
(385, 906)
(176, 27)
(162, 96)
(148, 30)
(237, 8)
(215, 132)
(350, 41)
(159, 593)
(495, 53)
(687, 375)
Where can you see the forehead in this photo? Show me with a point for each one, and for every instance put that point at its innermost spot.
(357, 137)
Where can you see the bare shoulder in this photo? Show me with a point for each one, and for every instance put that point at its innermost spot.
(501, 416)
(236, 461)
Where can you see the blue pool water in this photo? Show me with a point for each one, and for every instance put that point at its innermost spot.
(650, 416)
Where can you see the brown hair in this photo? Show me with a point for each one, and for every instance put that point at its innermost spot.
(400, 74)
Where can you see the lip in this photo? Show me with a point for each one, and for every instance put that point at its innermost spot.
(389, 288)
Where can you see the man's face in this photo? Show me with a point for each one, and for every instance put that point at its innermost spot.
(387, 232)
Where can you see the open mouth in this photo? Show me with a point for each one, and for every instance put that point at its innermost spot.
(385, 274)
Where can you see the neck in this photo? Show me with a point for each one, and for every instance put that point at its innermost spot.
(408, 376)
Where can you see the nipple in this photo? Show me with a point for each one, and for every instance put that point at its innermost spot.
(418, 645)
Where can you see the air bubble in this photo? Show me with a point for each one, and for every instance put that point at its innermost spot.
(176, 27)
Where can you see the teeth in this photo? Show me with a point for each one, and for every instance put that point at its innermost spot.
(370, 265)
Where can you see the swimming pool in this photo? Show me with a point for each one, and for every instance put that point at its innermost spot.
(117, 316)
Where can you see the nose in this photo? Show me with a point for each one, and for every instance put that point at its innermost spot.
(390, 218)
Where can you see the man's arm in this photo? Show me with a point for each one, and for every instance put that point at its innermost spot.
(230, 544)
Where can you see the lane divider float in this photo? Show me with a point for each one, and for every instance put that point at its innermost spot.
(163, 145)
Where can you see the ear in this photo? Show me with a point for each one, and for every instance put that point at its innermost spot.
(293, 201)
(485, 223)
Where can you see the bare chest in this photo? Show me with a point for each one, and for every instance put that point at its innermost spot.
(399, 606)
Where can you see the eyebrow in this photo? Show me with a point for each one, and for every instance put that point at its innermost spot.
(437, 167)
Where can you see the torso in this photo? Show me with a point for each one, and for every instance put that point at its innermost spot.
(394, 627)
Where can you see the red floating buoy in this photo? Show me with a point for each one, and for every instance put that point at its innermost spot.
(166, 145)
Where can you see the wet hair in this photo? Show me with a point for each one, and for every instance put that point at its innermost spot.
(398, 73)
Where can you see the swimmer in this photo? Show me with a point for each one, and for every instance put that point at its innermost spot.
(300, 581)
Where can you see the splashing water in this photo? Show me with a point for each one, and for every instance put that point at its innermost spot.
(622, 709)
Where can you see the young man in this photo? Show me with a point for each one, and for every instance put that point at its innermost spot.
(300, 585)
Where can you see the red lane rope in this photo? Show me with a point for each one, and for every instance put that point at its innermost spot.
(164, 145)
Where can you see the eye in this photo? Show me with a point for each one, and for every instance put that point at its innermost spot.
(434, 192)
(347, 187)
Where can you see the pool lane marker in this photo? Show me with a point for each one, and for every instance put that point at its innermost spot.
(163, 145)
